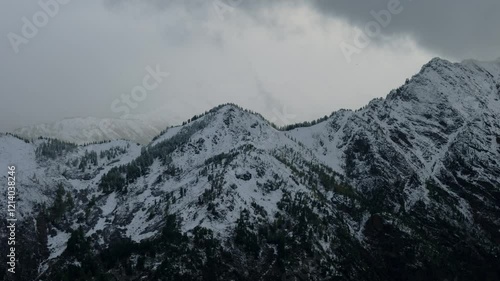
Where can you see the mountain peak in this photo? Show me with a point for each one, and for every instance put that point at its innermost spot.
(437, 62)
(223, 108)
(226, 186)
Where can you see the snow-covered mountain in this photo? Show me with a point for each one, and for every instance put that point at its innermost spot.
(446, 115)
(406, 188)
(90, 129)
(140, 128)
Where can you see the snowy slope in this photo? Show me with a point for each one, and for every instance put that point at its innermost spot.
(37, 177)
(399, 186)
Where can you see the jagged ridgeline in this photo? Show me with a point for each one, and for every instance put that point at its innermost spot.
(405, 188)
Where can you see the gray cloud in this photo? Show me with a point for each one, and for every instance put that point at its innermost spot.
(458, 29)
(263, 55)
(455, 28)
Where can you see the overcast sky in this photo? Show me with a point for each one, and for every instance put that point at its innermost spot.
(290, 60)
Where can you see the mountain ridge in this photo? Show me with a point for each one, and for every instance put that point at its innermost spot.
(405, 188)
